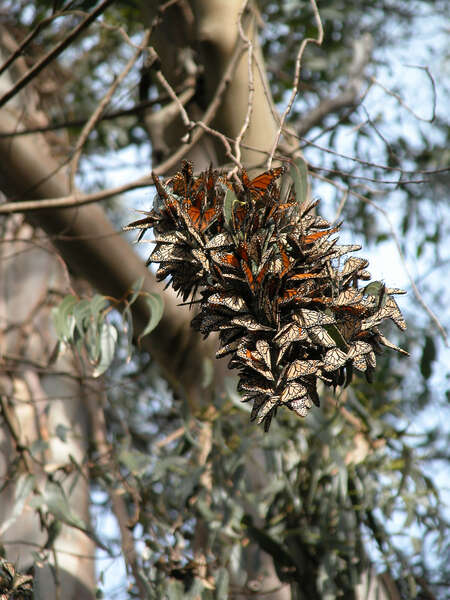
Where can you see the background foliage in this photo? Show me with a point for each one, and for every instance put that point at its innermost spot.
(357, 481)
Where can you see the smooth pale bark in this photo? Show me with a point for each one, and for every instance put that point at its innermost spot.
(39, 402)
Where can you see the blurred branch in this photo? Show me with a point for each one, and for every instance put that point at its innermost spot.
(403, 103)
(56, 51)
(362, 52)
(298, 62)
(73, 200)
(134, 110)
(105, 450)
(394, 235)
(101, 107)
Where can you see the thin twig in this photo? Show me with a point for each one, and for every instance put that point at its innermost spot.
(318, 41)
(73, 200)
(29, 38)
(56, 51)
(385, 214)
(140, 106)
(97, 418)
(223, 139)
(251, 84)
(403, 103)
(171, 92)
(101, 107)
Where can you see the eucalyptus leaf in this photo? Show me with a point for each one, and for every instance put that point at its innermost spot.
(136, 287)
(108, 339)
(299, 174)
(63, 318)
(222, 584)
(207, 372)
(156, 307)
(228, 205)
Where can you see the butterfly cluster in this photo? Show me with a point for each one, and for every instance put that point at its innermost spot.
(289, 306)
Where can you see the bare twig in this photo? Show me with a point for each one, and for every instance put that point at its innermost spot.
(403, 103)
(136, 109)
(79, 200)
(318, 41)
(171, 92)
(97, 418)
(251, 85)
(56, 51)
(394, 235)
(101, 107)
(28, 39)
(349, 96)
(223, 138)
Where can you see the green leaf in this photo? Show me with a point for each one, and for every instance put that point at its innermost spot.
(136, 287)
(337, 337)
(108, 339)
(98, 304)
(23, 486)
(207, 372)
(228, 205)
(156, 307)
(175, 590)
(428, 357)
(55, 499)
(136, 462)
(61, 431)
(222, 582)
(81, 314)
(299, 174)
(63, 318)
(38, 446)
(129, 330)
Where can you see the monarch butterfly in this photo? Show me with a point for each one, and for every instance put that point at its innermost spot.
(320, 336)
(221, 240)
(227, 349)
(147, 223)
(334, 359)
(201, 257)
(163, 253)
(202, 219)
(226, 259)
(352, 265)
(258, 186)
(310, 318)
(255, 386)
(264, 350)
(300, 406)
(359, 348)
(228, 300)
(349, 296)
(268, 407)
(170, 238)
(359, 362)
(344, 249)
(250, 323)
(292, 391)
(313, 237)
(301, 368)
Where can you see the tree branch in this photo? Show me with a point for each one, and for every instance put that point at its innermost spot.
(362, 52)
(56, 51)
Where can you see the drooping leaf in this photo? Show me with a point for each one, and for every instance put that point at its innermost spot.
(107, 339)
(156, 307)
(299, 174)
(228, 205)
(428, 357)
